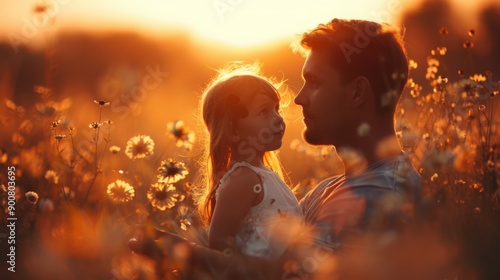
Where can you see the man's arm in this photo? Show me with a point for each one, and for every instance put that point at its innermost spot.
(301, 260)
(206, 261)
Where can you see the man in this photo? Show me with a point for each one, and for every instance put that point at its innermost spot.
(353, 75)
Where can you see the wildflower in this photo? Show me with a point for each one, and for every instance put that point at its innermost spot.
(443, 31)
(67, 193)
(442, 50)
(52, 176)
(297, 145)
(162, 195)
(3, 156)
(10, 104)
(188, 186)
(468, 44)
(183, 136)
(95, 125)
(114, 149)
(441, 80)
(17, 139)
(363, 129)
(139, 146)
(432, 62)
(55, 124)
(44, 92)
(32, 197)
(171, 171)
(490, 165)
(465, 85)
(431, 72)
(26, 127)
(461, 182)
(470, 114)
(184, 223)
(434, 177)
(47, 110)
(415, 92)
(101, 103)
(15, 108)
(412, 64)
(478, 78)
(182, 211)
(475, 186)
(325, 152)
(399, 134)
(440, 126)
(120, 191)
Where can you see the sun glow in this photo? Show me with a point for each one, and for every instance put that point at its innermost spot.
(234, 22)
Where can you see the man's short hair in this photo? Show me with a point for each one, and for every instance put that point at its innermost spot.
(363, 48)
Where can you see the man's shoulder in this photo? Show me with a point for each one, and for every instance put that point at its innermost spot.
(391, 176)
(328, 183)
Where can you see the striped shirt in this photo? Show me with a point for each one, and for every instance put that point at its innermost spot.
(342, 207)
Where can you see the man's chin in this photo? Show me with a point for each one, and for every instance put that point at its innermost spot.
(312, 138)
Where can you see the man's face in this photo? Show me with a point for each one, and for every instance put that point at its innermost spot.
(325, 102)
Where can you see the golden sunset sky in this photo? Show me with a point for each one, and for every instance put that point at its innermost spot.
(235, 22)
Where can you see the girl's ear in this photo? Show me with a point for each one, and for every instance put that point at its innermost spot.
(361, 91)
(235, 137)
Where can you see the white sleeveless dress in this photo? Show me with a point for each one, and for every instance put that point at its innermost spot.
(267, 228)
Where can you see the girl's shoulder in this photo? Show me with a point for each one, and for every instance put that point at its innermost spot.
(241, 181)
(241, 174)
(238, 170)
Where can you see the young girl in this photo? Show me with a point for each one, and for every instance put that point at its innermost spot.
(247, 205)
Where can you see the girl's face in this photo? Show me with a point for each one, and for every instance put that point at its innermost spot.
(262, 129)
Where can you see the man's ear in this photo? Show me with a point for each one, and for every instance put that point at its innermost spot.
(362, 91)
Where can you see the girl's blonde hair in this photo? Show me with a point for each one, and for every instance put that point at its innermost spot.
(222, 103)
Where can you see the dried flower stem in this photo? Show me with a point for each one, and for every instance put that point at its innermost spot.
(97, 167)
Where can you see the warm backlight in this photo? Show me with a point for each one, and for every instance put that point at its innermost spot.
(234, 22)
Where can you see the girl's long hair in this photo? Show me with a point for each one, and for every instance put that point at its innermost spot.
(219, 112)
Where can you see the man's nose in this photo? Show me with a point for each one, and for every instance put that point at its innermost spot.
(300, 98)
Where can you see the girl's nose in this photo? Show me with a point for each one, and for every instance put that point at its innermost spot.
(278, 123)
